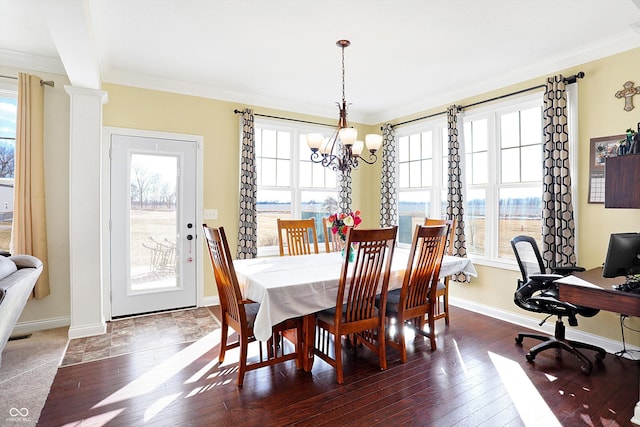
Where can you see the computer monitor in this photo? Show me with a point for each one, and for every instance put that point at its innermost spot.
(623, 255)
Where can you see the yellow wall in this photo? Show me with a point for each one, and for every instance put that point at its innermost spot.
(600, 114)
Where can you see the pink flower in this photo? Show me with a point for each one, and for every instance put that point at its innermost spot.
(340, 223)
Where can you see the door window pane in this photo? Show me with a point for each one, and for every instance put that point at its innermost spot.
(152, 222)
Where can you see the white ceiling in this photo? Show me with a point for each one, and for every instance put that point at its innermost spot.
(406, 55)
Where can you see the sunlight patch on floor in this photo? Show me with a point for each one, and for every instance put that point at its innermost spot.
(164, 371)
(96, 420)
(157, 406)
(532, 408)
(460, 358)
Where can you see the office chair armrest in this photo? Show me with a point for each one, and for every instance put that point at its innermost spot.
(565, 271)
(545, 277)
(536, 283)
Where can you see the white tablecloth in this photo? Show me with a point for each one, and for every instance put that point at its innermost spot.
(293, 286)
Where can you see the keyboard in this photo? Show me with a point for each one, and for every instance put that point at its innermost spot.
(633, 287)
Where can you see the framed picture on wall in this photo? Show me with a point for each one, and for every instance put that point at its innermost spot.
(601, 148)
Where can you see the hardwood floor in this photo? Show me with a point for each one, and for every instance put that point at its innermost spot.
(478, 376)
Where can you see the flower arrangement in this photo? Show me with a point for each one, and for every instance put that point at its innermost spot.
(341, 222)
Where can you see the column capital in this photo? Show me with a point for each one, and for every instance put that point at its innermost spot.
(83, 91)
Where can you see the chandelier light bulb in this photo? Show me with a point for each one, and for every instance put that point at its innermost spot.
(357, 148)
(348, 135)
(373, 141)
(314, 141)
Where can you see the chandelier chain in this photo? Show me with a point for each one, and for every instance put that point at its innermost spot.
(343, 97)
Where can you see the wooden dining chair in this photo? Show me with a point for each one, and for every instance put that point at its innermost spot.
(331, 241)
(240, 314)
(442, 293)
(296, 235)
(417, 298)
(355, 314)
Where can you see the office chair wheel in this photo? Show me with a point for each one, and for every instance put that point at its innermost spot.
(586, 369)
(530, 357)
(519, 340)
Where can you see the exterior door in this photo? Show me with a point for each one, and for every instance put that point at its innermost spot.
(153, 214)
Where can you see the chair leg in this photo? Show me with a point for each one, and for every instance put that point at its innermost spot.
(560, 342)
(242, 364)
(382, 348)
(446, 301)
(586, 367)
(337, 345)
(224, 329)
(432, 328)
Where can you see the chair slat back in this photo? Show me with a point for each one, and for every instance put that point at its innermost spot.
(368, 274)
(331, 241)
(451, 233)
(225, 275)
(528, 256)
(297, 234)
(423, 267)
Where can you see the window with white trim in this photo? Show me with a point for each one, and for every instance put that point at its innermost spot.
(503, 175)
(289, 184)
(502, 158)
(421, 177)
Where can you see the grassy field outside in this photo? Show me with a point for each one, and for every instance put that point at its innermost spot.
(475, 232)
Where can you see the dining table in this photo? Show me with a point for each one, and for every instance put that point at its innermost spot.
(300, 286)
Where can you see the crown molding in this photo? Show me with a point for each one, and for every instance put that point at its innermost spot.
(31, 62)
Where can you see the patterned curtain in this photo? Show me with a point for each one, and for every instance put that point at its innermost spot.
(558, 227)
(247, 224)
(455, 208)
(344, 189)
(388, 190)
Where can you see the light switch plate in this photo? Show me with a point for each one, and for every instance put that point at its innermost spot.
(211, 214)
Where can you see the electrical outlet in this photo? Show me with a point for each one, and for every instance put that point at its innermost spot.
(211, 214)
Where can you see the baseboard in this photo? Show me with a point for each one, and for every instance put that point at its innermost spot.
(611, 346)
(23, 328)
(87, 330)
(209, 301)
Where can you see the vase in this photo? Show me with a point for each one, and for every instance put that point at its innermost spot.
(352, 252)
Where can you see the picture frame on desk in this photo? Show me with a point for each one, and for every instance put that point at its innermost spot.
(601, 149)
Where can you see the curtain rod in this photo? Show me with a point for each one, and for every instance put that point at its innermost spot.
(285, 118)
(567, 80)
(42, 82)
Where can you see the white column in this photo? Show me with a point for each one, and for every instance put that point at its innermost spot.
(87, 317)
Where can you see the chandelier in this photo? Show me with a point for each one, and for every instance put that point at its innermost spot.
(342, 151)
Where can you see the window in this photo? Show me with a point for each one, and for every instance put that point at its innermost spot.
(421, 177)
(503, 157)
(502, 160)
(8, 114)
(289, 184)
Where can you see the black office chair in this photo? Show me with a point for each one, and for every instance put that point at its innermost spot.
(537, 292)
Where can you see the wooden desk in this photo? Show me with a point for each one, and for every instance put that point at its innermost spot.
(603, 298)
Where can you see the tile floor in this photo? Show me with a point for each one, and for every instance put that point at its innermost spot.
(142, 333)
